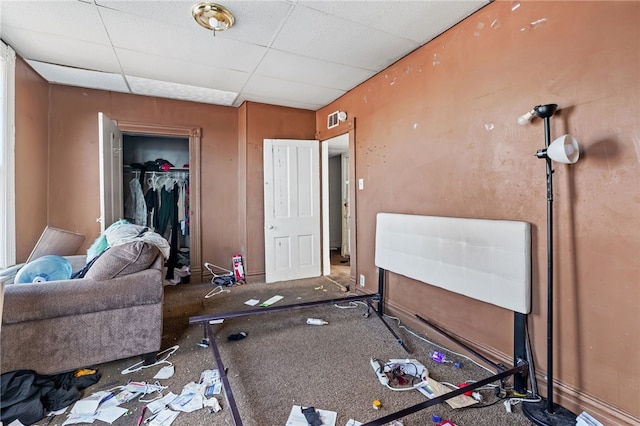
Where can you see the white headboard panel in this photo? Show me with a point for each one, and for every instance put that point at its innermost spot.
(488, 260)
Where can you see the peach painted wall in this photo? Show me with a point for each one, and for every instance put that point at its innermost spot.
(265, 122)
(436, 134)
(31, 155)
(74, 173)
(438, 127)
(231, 163)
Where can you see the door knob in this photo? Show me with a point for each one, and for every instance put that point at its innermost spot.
(270, 227)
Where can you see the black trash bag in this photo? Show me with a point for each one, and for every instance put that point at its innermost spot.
(27, 396)
(21, 397)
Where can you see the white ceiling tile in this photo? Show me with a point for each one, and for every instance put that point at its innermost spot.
(176, 71)
(73, 19)
(302, 69)
(61, 50)
(167, 12)
(276, 101)
(147, 87)
(192, 44)
(312, 33)
(294, 53)
(283, 89)
(256, 22)
(80, 77)
(421, 20)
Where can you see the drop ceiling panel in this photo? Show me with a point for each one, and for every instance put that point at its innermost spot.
(75, 19)
(80, 77)
(287, 90)
(61, 50)
(192, 44)
(277, 101)
(309, 32)
(256, 21)
(294, 53)
(176, 71)
(147, 87)
(302, 69)
(176, 13)
(421, 20)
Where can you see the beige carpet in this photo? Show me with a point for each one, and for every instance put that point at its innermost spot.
(284, 362)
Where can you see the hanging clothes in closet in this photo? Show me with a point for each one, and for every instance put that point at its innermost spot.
(135, 207)
(165, 203)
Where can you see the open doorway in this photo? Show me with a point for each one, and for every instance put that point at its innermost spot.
(336, 209)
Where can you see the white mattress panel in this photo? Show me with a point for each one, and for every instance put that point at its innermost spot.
(487, 260)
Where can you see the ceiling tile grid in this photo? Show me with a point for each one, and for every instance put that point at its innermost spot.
(80, 77)
(143, 86)
(313, 33)
(283, 89)
(307, 70)
(297, 53)
(73, 19)
(160, 68)
(419, 21)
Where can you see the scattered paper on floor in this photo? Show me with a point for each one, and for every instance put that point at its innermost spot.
(296, 418)
(455, 402)
(271, 301)
(110, 414)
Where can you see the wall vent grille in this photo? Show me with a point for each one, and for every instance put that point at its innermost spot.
(333, 120)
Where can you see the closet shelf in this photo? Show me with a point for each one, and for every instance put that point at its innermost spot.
(128, 168)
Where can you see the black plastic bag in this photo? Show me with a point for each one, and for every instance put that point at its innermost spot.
(27, 396)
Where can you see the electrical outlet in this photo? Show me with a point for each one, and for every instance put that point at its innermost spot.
(361, 280)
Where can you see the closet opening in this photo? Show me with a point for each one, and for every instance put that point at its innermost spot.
(155, 188)
(162, 164)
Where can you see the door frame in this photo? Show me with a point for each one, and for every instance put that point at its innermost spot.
(326, 250)
(194, 135)
(326, 220)
(345, 197)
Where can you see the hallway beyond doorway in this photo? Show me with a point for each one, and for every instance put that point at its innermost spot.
(340, 269)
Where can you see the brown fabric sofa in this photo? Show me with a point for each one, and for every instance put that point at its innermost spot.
(58, 326)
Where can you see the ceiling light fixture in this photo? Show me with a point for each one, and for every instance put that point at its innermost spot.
(212, 16)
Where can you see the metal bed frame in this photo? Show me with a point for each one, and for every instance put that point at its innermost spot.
(518, 371)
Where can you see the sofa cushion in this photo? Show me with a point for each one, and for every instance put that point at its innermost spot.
(122, 260)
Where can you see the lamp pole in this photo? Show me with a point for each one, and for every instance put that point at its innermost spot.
(541, 413)
(547, 141)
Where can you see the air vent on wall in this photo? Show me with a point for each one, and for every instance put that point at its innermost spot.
(332, 120)
(335, 118)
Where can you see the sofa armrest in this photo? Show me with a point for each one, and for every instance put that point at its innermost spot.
(36, 301)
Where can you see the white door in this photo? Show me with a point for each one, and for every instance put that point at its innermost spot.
(110, 138)
(346, 215)
(291, 209)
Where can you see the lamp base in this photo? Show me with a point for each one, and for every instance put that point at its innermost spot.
(538, 414)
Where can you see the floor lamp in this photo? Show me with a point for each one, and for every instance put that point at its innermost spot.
(562, 150)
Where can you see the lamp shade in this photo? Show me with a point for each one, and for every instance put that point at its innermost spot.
(564, 150)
